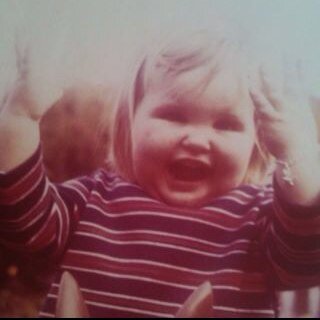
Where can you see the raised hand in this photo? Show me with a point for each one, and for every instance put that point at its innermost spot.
(287, 127)
(34, 90)
(35, 87)
(284, 119)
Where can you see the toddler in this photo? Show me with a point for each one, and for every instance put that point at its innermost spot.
(186, 202)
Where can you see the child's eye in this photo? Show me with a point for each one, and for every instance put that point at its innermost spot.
(173, 114)
(228, 125)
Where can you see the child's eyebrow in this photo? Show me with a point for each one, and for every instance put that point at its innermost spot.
(178, 102)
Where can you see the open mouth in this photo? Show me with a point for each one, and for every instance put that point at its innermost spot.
(189, 170)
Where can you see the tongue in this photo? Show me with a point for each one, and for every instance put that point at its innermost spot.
(189, 170)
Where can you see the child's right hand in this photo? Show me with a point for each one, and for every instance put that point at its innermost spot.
(33, 92)
(34, 89)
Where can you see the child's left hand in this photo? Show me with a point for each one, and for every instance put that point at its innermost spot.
(285, 123)
(287, 128)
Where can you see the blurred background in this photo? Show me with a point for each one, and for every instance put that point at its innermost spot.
(102, 36)
(85, 48)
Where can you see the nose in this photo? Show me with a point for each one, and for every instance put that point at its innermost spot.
(198, 140)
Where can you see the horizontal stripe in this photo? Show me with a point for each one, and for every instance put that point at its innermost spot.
(136, 256)
(162, 245)
(135, 298)
(165, 241)
(121, 308)
(22, 188)
(168, 223)
(169, 273)
(139, 214)
(128, 276)
(135, 234)
(124, 301)
(298, 226)
(256, 311)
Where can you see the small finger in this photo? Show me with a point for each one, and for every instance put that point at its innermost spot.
(22, 55)
(263, 108)
(271, 86)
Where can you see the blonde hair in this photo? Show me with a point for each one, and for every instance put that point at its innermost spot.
(200, 51)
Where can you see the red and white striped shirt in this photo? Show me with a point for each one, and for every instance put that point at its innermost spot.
(134, 256)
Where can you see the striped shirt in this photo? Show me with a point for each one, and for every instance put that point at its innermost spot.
(134, 256)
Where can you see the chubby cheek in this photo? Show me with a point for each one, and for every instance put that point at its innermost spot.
(235, 160)
(154, 138)
(150, 149)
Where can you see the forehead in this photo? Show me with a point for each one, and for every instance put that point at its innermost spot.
(223, 90)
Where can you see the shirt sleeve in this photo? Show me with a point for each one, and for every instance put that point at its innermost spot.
(37, 216)
(291, 240)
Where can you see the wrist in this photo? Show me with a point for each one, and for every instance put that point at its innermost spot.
(299, 178)
(19, 137)
(305, 151)
(290, 163)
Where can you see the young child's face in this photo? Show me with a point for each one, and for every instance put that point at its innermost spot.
(191, 147)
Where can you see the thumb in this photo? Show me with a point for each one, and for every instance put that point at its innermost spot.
(199, 304)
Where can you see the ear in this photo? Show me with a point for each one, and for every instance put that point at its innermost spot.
(70, 302)
(199, 304)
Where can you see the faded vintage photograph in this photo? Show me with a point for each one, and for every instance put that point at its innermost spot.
(160, 158)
